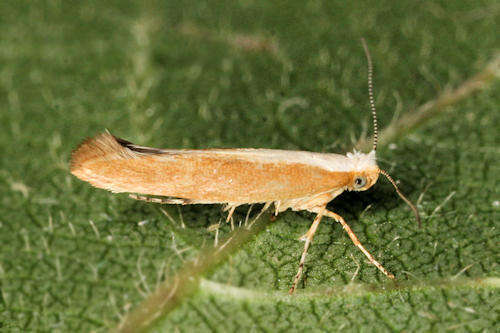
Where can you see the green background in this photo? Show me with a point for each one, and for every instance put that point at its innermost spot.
(264, 74)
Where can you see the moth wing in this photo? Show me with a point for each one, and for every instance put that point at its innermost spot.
(206, 176)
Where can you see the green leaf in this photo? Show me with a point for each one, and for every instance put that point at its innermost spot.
(285, 75)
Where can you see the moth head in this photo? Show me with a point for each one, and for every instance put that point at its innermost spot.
(364, 180)
(364, 172)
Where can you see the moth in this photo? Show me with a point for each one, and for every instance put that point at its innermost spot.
(296, 180)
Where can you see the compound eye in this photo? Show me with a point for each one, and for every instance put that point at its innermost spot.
(359, 182)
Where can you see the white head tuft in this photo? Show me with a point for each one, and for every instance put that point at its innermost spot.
(362, 161)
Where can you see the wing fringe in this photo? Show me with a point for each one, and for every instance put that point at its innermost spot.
(102, 146)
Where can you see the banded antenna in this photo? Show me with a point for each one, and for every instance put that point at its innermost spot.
(375, 131)
(370, 94)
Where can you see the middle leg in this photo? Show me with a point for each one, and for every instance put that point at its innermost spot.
(308, 237)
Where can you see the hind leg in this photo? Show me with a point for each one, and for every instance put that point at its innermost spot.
(173, 201)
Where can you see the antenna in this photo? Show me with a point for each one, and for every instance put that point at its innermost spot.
(403, 197)
(370, 94)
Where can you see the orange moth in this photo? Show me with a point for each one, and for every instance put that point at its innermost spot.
(298, 180)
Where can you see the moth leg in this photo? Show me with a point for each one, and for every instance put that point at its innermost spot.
(308, 239)
(230, 213)
(174, 201)
(277, 205)
(266, 207)
(355, 240)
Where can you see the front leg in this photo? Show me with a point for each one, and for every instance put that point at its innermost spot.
(353, 237)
